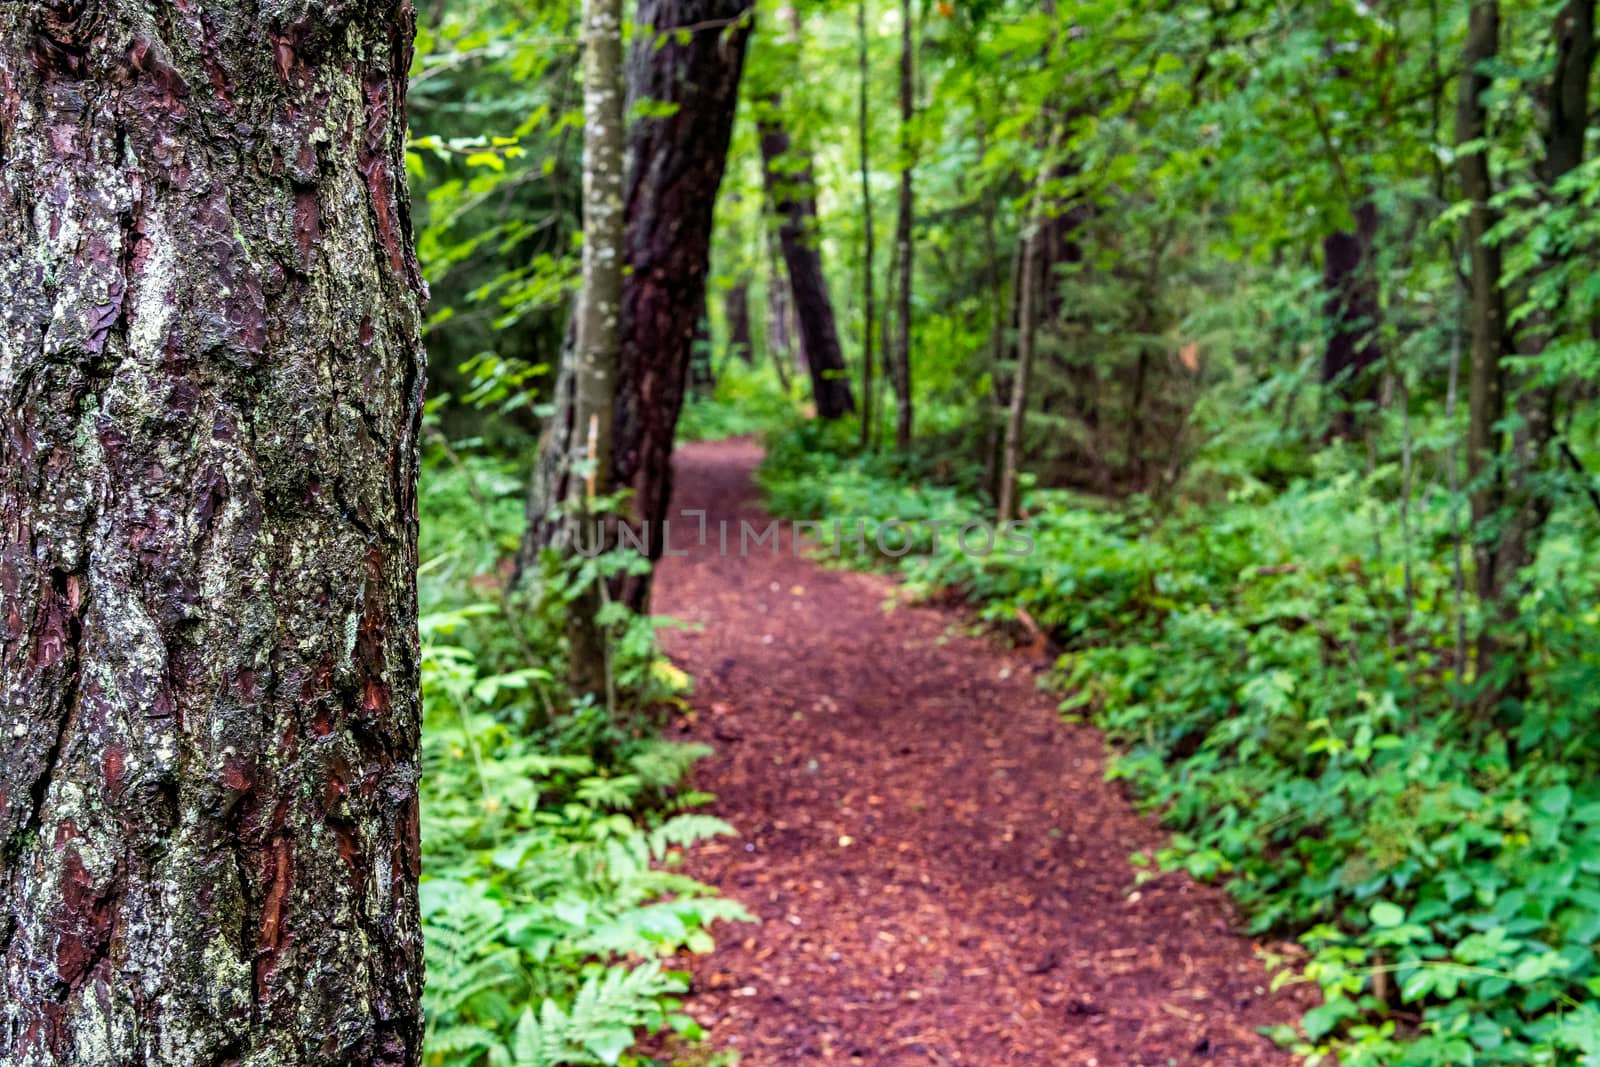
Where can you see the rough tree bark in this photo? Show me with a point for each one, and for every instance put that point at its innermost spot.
(674, 166)
(900, 366)
(791, 190)
(210, 390)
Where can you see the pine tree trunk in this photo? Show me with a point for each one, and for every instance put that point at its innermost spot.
(792, 193)
(674, 166)
(901, 365)
(210, 390)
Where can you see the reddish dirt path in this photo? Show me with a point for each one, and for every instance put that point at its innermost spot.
(939, 868)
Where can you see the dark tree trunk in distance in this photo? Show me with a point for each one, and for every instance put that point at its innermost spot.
(869, 252)
(900, 367)
(791, 192)
(736, 308)
(210, 390)
(1486, 312)
(675, 164)
(1350, 282)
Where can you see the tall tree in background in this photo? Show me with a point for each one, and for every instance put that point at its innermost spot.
(1031, 273)
(1017, 412)
(1486, 309)
(791, 189)
(210, 391)
(686, 60)
(868, 252)
(1349, 284)
(900, 361)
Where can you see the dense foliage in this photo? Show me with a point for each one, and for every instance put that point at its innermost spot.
(1306, 295)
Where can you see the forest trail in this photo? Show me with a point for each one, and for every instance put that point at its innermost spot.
(940, 870)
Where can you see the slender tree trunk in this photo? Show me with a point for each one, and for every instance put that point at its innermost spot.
(791, 190)
(1486, 307)
(736, 308)
(1147, 324)
(674, 165)
(996, 411)
(901, 365)
(1029, 280)
(210, 392)
(869, 257)
(886, 333)
(1027, 333)
(598, 331)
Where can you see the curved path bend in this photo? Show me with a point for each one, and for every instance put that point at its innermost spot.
(939, 866)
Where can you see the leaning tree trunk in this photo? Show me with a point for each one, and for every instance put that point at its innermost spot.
(792, 193)
(210, 390)
(689, 56)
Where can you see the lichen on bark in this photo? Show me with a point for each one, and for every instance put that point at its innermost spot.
(210, 386)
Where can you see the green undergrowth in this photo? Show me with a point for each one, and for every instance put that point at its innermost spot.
(745, 400)
(1285, 697)
(550, 831)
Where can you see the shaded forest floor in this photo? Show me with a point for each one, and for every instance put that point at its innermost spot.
(939, 868)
